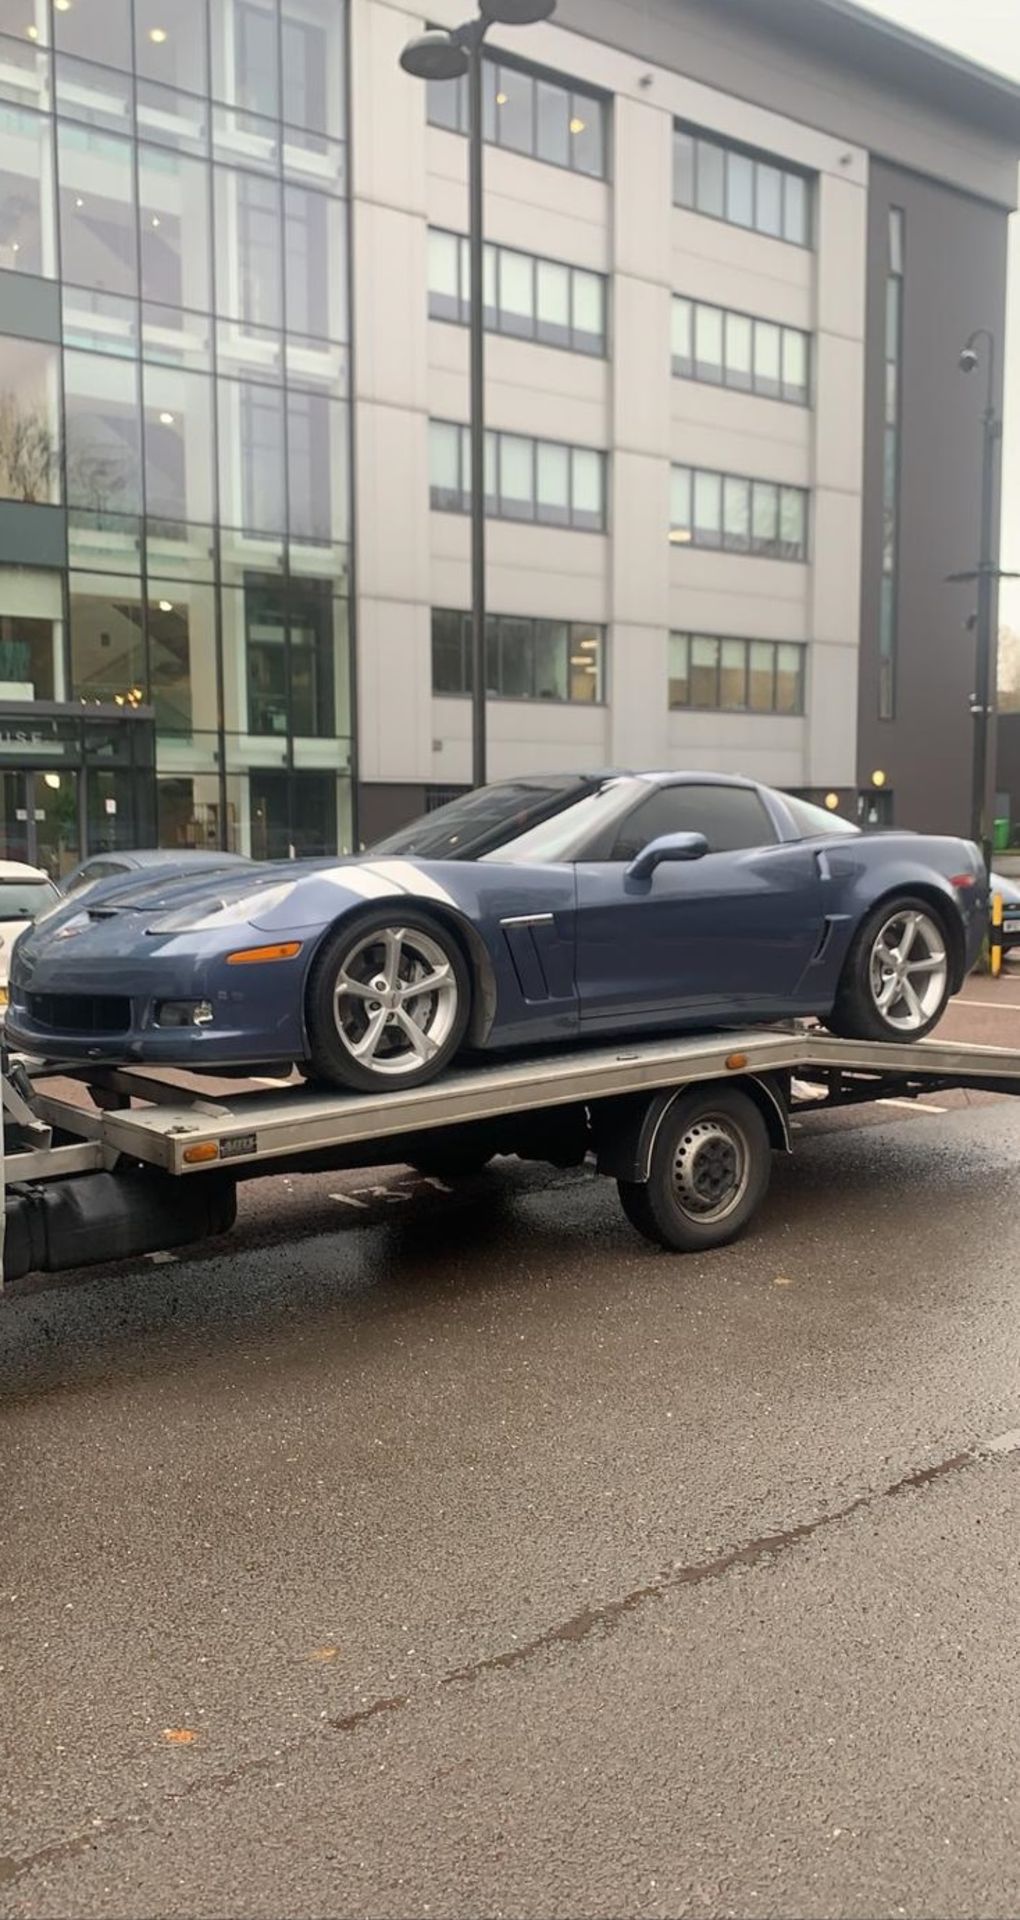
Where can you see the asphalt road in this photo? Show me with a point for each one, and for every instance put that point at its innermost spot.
(420, 1553)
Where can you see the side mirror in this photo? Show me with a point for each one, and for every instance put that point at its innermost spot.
(668, 846)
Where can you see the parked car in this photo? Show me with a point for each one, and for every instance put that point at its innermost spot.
(165, 860)
(649, 902)
(1009, 892)
(25, 892)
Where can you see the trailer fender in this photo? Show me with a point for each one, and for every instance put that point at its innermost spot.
(624, 1131)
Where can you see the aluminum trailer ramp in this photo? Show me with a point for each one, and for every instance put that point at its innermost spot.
(183, 1133)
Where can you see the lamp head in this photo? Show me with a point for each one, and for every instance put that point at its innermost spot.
(515, 13)
(434, 56)
(968, 360)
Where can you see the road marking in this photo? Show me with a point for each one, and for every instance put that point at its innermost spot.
(992, 1006)
(1004, 1442)
(913, 1106)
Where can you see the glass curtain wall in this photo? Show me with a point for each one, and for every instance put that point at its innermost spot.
(180, 168)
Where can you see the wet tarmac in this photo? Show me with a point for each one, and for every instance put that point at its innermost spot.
(419, 1552)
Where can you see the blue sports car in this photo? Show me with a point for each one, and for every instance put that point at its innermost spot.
(571, 909)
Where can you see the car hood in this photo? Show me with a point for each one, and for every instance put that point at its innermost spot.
(1009, 889)
(148, 903)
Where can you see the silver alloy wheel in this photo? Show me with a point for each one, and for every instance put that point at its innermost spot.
(908, 970)
(711, 1168)
(395, 1000)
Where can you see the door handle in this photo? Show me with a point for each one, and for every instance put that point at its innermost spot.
(822, 862)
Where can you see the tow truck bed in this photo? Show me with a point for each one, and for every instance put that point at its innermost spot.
(686, 1125)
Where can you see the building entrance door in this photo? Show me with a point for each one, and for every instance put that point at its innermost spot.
(39, 820)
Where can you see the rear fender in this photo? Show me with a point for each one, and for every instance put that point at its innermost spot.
(625, 1130)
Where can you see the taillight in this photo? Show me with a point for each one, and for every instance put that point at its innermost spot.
(963, 881)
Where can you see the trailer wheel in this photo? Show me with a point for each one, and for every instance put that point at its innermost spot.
(709, 1171)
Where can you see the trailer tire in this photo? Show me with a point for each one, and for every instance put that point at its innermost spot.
(709, 1171)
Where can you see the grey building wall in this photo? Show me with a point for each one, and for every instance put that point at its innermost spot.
(954, 281)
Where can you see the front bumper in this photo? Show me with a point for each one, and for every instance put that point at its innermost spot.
(79, 1007)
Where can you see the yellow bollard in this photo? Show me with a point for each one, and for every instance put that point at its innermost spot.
(995, 943)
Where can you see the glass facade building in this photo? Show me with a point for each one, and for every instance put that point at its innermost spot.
(174, 426)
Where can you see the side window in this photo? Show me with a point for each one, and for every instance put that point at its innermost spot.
(729, 818)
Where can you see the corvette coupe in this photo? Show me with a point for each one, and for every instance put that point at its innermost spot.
(565, 910)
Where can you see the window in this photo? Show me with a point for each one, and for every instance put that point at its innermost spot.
(741, 515)
(26, 192)
(735, 350)
(887, 611)
(177, 424)
(529, 298)
(729, 817)
(529, 113)
(177, 59)
(535, 480)
(745, 188)
(812, 821)
(102, 431)
(525, 659)
(174, 215)
(735, 676)
(29, 421)
(98, 224)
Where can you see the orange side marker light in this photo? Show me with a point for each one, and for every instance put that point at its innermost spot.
(253, 956)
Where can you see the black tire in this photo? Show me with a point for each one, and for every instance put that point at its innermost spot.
(856, 1014)
(338, 1021)
(709, 1172)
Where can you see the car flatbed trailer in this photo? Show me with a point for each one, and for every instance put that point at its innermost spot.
(687, 1126)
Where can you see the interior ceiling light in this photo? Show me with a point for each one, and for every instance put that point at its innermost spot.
(157, 35)
(155, 219)
(166, 419)
(577, 125)
(501, 99)
(166, 606)
(79, 202)
(62, 6)
(32, 32)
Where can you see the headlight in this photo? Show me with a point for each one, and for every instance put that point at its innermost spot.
(232, 913)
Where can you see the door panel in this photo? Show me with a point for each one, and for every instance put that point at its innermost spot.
(728, 936)
(724, 936)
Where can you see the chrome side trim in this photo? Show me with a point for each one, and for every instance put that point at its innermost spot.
(529, 920)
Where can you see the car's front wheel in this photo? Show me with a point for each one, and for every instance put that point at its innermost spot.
(388, 1002)
(897, 979)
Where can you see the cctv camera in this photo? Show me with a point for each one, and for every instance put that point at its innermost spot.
(968, 360)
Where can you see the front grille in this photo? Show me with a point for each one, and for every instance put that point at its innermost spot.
(80, 1012)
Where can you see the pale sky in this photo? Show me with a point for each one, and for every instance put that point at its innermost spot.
(987, 31)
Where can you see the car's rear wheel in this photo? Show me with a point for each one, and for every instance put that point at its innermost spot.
(898, 977)
(388, 1001)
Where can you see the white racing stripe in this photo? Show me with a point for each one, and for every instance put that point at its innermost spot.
(404, 874)
(384, 878)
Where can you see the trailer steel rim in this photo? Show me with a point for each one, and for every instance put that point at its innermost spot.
(908, 970)
(395, 999)
(711, 1168)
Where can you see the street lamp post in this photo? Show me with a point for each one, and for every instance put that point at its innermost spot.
(449, 54)
(987, 574)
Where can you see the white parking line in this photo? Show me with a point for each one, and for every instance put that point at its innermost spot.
(913, 1106)
(995, 1006)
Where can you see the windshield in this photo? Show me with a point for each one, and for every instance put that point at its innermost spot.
(573, 828)
(811, 821)
(485, 818)
(25, 899)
